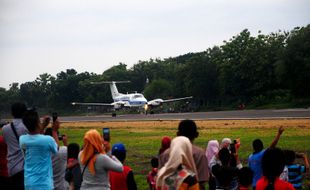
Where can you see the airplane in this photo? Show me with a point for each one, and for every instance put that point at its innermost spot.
(129, 100)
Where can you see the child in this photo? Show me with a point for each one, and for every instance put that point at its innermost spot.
(152, 174)
(73, 171)
(295, 171)
(125, 179)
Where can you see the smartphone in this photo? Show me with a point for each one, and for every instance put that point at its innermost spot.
(106, 134)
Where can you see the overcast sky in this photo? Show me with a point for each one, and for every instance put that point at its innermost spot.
(49, 36)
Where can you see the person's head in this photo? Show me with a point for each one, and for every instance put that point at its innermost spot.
(212, 149)
(224, 175)
(188, 129)
(225, 143)
(73, 150)
(245, 176)
(31, 120)
(18, 109)
(93, 144)
(45, 121)
(165, 144)
(224, 156)
(290, 157)
(272, 164)
(48, 131)
(257, 145)
(119, 151)
(154, 162)
(180, 154)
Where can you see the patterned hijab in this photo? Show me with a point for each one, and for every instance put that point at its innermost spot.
(93, 144)
(180, 154)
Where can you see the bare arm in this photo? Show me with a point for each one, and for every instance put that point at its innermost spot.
(277, 137)
(55, 127)
(306, 162)
(305, 158)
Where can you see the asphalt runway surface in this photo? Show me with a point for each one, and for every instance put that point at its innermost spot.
(214, 115)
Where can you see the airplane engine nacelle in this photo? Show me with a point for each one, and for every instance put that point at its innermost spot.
(118, 105)
(156, 102)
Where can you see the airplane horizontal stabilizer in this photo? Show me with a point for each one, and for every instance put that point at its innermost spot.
(110, 82)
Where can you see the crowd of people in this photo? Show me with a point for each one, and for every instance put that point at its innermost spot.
(33, 158)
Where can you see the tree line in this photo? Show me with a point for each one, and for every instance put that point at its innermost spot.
(267, 69)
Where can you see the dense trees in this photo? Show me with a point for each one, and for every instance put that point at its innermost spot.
(260, 70)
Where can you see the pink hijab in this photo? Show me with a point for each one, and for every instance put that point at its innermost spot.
(212, 149)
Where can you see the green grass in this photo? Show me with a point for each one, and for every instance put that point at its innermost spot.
(142, 145)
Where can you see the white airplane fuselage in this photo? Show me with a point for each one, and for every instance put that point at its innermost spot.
(131, 100)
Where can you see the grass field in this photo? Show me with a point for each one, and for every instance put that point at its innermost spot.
(142, 139)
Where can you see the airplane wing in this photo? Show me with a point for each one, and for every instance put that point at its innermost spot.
(177, 99)
(158, 102)
(91, 104)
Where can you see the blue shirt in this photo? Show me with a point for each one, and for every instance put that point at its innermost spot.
(255, 163)
(38, 169)
(295, 172)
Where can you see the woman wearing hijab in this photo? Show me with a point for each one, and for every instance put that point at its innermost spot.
(212, 150)
(165, 144)
(95, 163)
(179, 172)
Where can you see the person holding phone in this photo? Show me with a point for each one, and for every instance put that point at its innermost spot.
(95, 163)
(106, 140)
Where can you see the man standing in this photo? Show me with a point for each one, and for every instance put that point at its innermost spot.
(37, 149)
(255, 159)
(11, 134)
(188, 129)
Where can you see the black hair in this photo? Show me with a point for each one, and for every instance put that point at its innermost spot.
(245, 176)
(257, 145)
(289, 156)
(188, 129)
(120, 155)
(272, 165)
(224, 175)
(154, 162)
(48, 131)
(73, 150)
(224, 156)
(31, 120)
(18, 109)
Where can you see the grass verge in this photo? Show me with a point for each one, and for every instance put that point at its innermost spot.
(142, 139)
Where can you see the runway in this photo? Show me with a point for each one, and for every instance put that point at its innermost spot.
(214, 115)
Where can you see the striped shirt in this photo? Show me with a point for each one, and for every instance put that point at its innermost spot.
(295, 175)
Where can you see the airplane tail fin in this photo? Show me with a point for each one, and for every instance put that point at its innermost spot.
(113, 88)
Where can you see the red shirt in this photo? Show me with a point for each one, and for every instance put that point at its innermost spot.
(118, 180)
(3, 160)
(278, 184)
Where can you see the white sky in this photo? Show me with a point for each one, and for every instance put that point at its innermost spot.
(49, 36)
